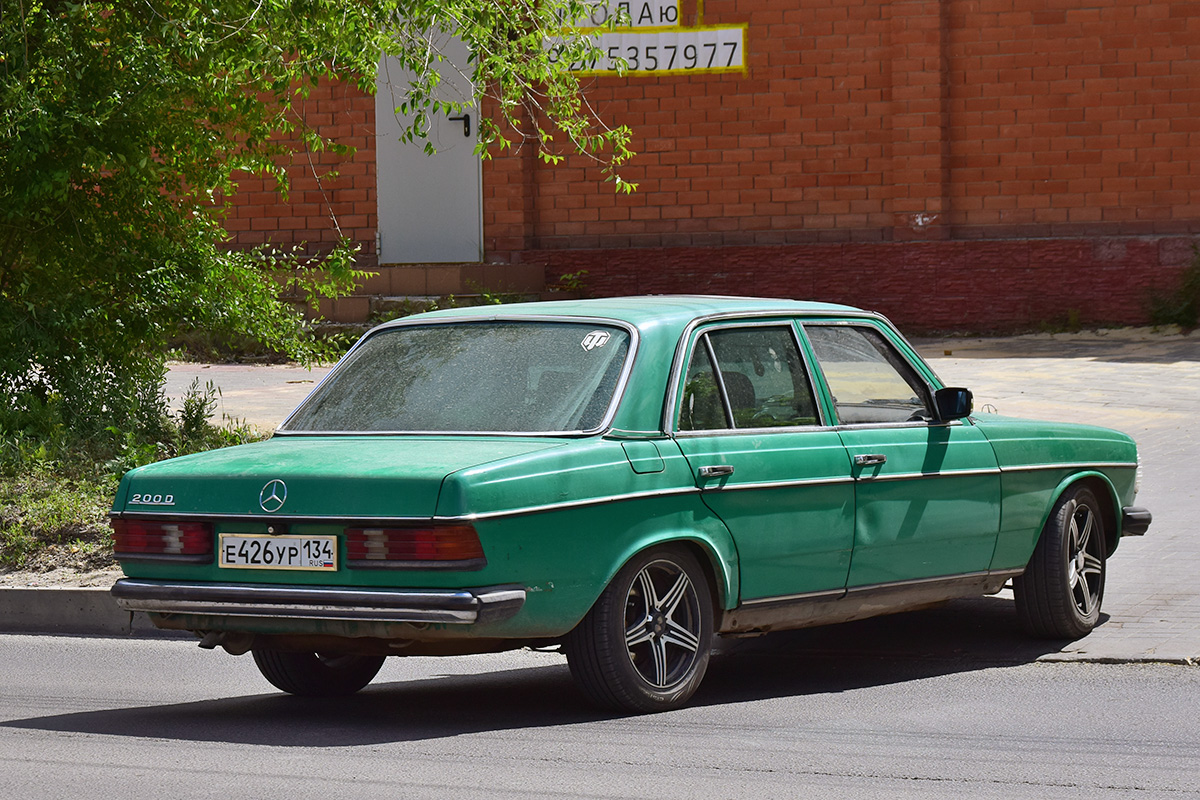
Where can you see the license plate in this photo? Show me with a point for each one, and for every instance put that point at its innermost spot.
(249, 551)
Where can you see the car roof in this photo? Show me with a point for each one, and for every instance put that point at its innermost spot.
(648, 310)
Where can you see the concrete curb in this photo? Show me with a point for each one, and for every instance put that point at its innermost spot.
(1135, 658)
(1122, 659)
(89, 611)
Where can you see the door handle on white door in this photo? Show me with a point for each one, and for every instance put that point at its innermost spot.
(465, 119)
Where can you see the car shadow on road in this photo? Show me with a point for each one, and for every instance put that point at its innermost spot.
(963, 636)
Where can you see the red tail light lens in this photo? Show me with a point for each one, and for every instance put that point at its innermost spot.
(449, 546)
(132, 538)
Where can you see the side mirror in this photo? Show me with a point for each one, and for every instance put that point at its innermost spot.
(953, 403)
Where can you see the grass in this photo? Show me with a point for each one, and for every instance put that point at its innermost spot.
(51, 518)
(56, 492)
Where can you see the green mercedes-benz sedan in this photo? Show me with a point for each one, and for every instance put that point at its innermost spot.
(627, 478)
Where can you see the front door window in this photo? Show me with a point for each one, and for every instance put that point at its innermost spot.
(868, 380)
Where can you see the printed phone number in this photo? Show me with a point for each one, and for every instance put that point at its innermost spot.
(708, 50)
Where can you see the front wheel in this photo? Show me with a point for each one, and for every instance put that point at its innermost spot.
(644, 646)
(316, 674)
(1059, 595)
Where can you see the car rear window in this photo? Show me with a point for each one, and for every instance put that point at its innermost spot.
(503, 377)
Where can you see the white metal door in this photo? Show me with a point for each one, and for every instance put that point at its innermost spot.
(430, 207)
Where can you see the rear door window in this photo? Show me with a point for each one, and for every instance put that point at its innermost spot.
(747, 377)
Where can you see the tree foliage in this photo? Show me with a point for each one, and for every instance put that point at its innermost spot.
(123, 120)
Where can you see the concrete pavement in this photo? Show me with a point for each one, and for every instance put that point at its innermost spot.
(1142, 382)
(261, 396)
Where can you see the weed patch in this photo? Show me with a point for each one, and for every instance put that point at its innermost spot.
(56, 490)
(1180, 305)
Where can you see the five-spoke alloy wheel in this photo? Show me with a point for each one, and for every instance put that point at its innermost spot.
(645, 644)
(1060, 593)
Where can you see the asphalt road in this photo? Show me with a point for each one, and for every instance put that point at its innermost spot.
(811, 714)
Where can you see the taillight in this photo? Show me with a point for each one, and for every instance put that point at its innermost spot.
(445, 546)
(134, 538)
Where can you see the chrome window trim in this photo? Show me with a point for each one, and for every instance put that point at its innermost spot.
(720, 375)
(736, 320)
(858, 426)
(627, 435)
(802, 429)
(605, 422)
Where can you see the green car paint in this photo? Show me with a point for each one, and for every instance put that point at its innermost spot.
(1038, 461)
(789, 505)
(558, 515)
(932, 509)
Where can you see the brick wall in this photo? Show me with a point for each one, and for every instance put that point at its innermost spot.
(963, 163)
(330, 195)
(897, 120)
(966, 163)
(970, 284)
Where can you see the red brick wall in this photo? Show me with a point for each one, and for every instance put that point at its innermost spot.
(1048, 151)
(969, 284)
(963, 163)
(892, 120)
(330, 195)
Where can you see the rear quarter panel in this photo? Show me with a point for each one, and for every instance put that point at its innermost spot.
(563, 522)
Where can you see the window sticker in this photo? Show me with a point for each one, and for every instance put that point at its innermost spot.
(595, 339)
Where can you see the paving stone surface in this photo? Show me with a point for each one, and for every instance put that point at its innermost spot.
(1148, 386)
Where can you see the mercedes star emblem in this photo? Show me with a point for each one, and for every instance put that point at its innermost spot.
(272, 496)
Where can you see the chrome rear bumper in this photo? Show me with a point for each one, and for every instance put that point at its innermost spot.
(453, 606)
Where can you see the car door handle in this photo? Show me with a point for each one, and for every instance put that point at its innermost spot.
(717, 471)
(870, 460)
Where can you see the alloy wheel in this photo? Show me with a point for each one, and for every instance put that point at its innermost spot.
(662, 624)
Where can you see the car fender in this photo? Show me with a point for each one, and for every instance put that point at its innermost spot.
(1112, 520)
(708, 534)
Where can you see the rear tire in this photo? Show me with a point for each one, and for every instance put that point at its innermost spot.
(1060, 593)
(316, 674)
(644, 646)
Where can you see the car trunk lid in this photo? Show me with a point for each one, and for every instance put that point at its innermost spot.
(315, 476)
